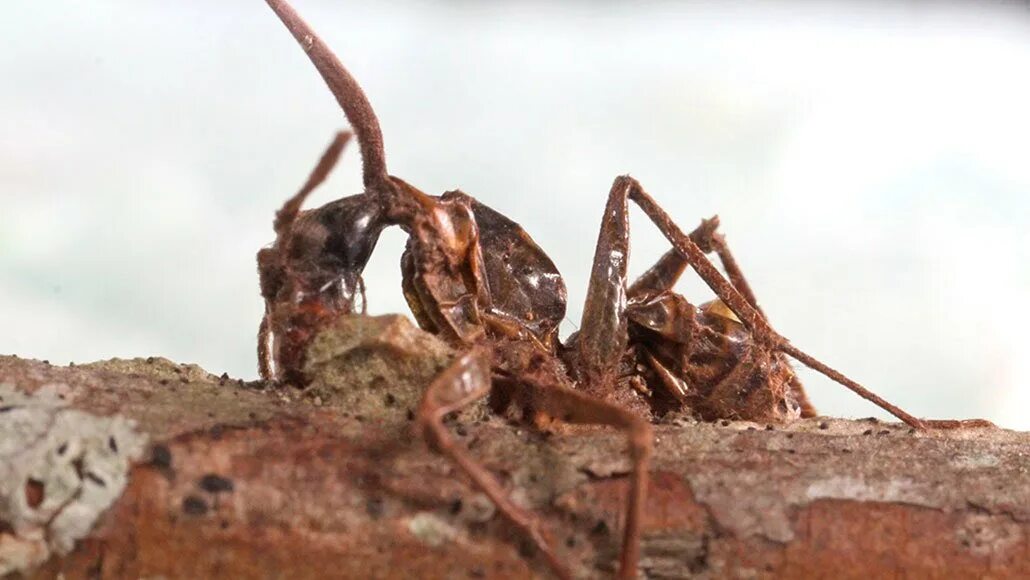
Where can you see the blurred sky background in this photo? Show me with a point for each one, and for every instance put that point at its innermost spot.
(870, 162)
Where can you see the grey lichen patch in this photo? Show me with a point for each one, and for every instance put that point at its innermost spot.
(902, 490)
(376, 367)
(60, 468)
(431, 529)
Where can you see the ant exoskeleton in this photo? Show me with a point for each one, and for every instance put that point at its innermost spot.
(476, 279)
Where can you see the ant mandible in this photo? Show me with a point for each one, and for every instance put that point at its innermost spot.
(476, 279)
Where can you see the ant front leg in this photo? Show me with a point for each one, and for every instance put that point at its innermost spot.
(753, 319)
(461, 384)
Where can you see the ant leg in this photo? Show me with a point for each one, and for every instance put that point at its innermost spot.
(264, 349)
(572, 406)
(706, 239)
(753, 319)
(839, 377)
(670, 267)
(736, 276)
(603, 336)
(465, 381)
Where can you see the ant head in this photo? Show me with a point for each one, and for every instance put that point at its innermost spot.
(322, 252)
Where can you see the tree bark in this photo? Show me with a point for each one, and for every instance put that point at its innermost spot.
(243, 481)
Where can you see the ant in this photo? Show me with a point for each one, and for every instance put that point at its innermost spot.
(480, 282)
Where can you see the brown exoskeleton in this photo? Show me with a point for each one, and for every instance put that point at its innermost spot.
(478, 280)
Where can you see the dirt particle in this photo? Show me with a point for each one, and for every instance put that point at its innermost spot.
(455, 507)
(214, 483)
(161, 456)
(34, 493)
(867, 432)
(824, 425)
(527, 549)
(194, 506)
(374, 507)
(95, 479)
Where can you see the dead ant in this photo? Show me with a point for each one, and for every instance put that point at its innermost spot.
(478, 280)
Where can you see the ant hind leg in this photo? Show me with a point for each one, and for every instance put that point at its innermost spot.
(753, 319)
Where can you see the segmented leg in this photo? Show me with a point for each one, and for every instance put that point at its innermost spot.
(664, 274)
(748, 314)
(603, 337)
(466, 380)
(264, 349)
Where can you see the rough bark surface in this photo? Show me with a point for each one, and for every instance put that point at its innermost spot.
(240, 481)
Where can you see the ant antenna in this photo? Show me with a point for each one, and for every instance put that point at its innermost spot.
(285, 217)
(347, 92)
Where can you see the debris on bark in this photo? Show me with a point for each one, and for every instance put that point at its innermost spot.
(245, 481)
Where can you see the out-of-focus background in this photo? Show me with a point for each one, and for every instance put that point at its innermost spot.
(869, 162)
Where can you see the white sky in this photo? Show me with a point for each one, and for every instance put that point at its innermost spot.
(868, 162)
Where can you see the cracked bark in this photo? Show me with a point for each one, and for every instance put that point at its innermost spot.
(244, 482)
